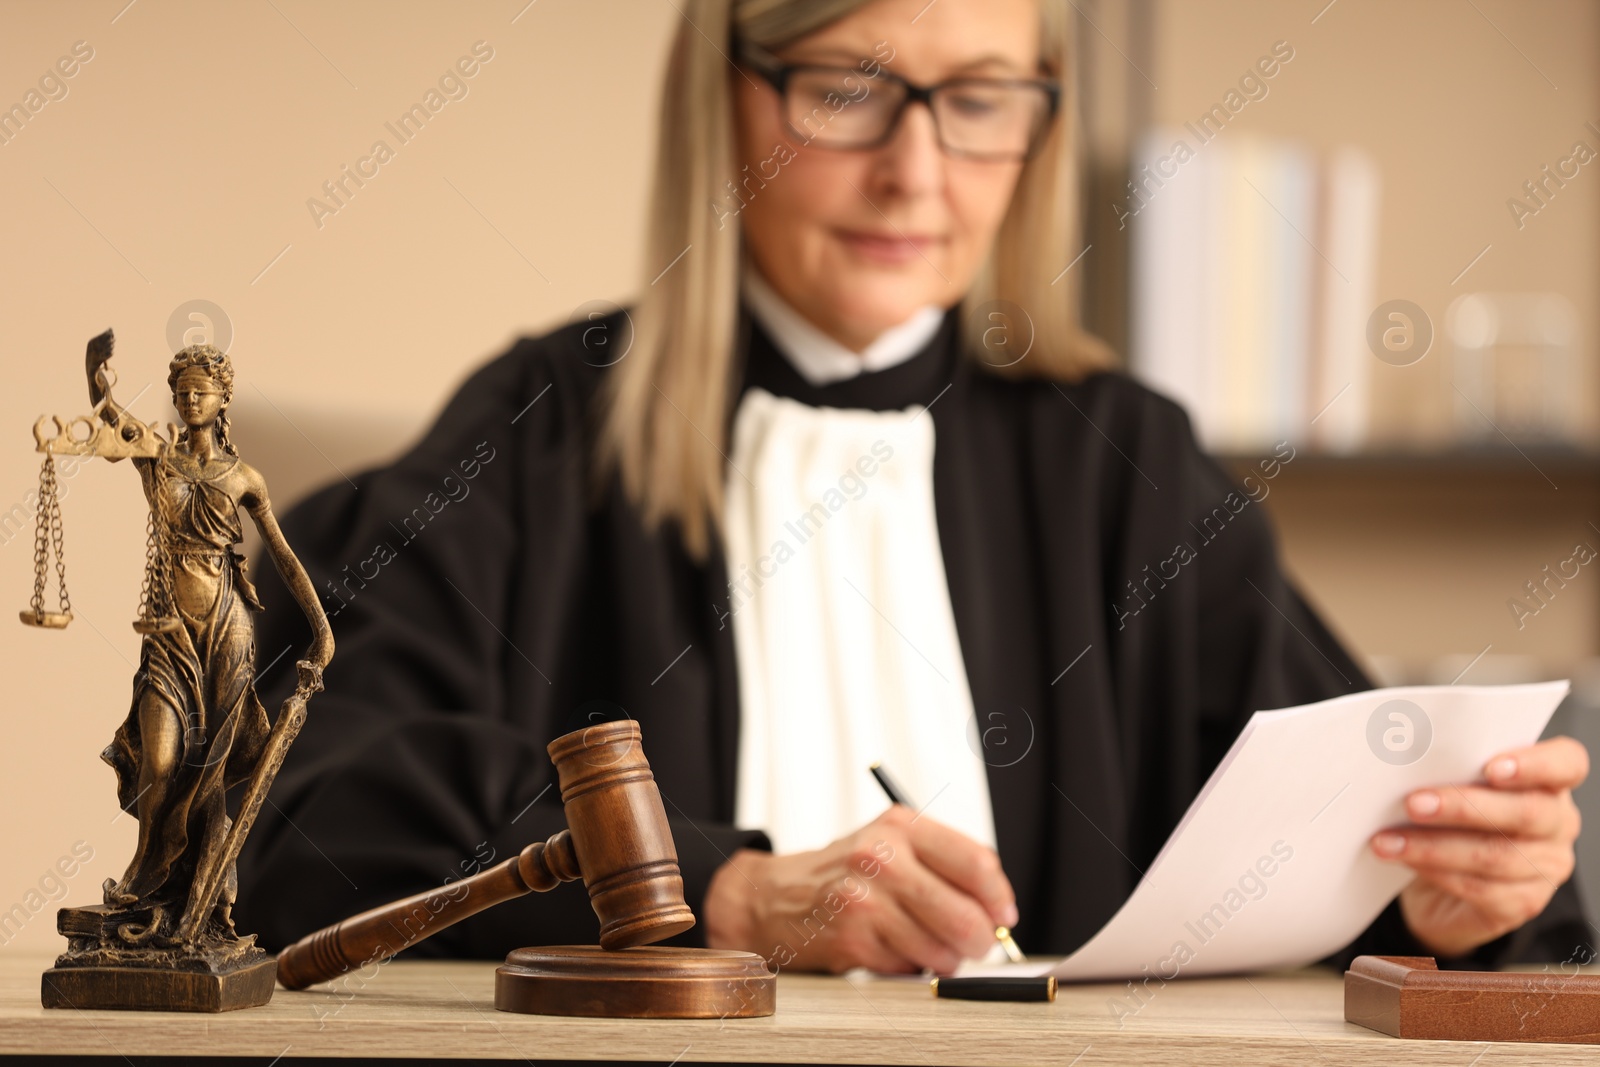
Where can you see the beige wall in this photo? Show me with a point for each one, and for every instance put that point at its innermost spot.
(180, 162)
(177, 167)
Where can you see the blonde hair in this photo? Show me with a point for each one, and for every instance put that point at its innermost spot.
(665, 410)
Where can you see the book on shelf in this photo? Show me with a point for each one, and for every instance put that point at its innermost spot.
(1253, 270)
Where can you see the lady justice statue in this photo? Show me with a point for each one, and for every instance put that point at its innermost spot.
(164, 937)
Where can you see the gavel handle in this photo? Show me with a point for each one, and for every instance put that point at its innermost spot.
(374, 936)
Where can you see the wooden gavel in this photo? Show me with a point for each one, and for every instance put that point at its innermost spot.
(617, 840)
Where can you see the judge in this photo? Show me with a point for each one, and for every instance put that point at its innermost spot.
(847, 485)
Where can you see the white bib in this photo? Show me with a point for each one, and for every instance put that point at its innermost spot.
(843, 630)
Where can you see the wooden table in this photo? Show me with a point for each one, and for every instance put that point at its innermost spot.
(444, 1010)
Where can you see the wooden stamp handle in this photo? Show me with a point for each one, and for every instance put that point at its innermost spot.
(375, 935)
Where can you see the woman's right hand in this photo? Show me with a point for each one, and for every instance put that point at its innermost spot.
(900, 894)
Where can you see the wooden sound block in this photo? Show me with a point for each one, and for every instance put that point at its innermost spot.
(1408, 996)
(649, 982)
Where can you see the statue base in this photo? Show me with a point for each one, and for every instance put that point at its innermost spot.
(108, 967)
(151, 989)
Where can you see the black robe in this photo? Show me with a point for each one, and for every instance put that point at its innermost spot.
(482, 592)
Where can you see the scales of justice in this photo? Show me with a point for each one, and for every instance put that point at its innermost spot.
(164, 939)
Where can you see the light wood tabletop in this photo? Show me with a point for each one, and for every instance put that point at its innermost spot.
(445, 1010)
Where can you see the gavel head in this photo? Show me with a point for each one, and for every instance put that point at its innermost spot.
(620, 836)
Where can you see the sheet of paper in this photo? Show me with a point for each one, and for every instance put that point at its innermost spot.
(1270, 865)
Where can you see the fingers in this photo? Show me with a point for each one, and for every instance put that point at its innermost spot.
(910, 883)
(969, 866)
(1529, 813)
(1485, 857)
(1558, 763)
(863, 946)
(953, 921)
(898, 895)
(1528, 795)
(1507, 904)
(1489, 857)
(912, 945)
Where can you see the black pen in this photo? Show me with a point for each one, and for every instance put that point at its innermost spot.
(1032, 987)
(890, 790)
(1002, 934)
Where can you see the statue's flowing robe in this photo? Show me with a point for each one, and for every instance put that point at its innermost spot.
(202, 674)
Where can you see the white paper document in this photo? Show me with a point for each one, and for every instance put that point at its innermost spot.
(1270, 867)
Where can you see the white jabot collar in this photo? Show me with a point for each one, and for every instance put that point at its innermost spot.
(819, 358)
(830, 535)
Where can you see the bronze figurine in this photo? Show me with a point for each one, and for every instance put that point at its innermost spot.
(164, 937)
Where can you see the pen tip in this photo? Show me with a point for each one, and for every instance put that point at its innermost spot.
(1002, 934)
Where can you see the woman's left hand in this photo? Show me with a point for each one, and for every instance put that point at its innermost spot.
(1489, 857)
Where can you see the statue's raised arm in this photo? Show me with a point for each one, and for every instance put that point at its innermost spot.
(107, 431)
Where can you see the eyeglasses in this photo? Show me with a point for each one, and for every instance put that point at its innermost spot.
(995, 119)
